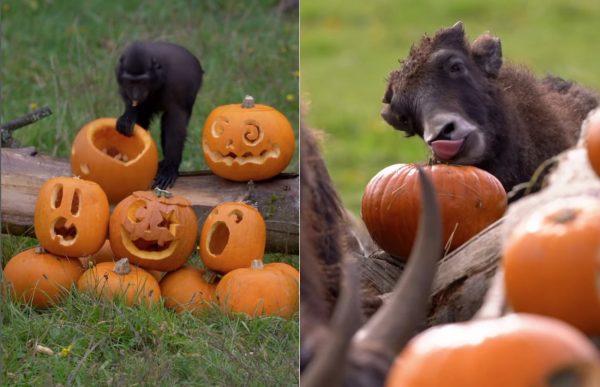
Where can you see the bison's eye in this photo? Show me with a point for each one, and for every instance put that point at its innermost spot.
(456, 67)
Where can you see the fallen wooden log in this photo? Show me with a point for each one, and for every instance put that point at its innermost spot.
(24, 171)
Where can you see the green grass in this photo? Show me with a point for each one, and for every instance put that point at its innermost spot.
(349, 48)
(63, 54)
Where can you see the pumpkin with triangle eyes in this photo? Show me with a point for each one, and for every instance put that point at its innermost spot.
(154, 232)
(247, 142)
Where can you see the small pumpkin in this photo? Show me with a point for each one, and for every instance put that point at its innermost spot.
(120, 164)
(551, 263)
(120, 279)
(257, 291)
(247, 142)
(40, 278)
(66, 212)
(154, 231)
(592, 138)
(470, 199)
(515, 350)
(233, 235)
(188, 288)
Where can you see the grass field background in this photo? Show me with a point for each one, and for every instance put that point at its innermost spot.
(63, 54)
(349, 48)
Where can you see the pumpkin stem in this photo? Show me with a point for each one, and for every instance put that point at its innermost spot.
(248, 102)
(209, 276)
(565, 215)
(257, 264)
(162, 193)
(122, 266)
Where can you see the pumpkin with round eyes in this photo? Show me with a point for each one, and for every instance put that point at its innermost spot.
(247, 142)
(119, 164)
(233, 235)
(66, 212)
(154, 232)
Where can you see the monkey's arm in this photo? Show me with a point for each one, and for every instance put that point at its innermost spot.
(127, 120)
(173, 133)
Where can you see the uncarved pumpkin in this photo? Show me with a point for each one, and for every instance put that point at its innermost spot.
(120, 164)
(256, 291)
(284, 268)
(593, 142)
(120, 279)
(247, 142)
(233, 235)
(515, 350)
(470, 199)
(71, 216)
(188, 288)
(40, 278)
(551, 263)
(154, 232)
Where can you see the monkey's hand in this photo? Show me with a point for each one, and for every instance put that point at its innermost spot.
(166, 175)
(125, 124)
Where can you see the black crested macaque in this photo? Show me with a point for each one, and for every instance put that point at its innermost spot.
(160, 77)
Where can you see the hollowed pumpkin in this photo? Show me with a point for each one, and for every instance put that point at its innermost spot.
(120, 164)
(515, 350)
(119, 279)
(154, 232)
(42, 279)
(188, 288)
(470, 199)
(71, 217)
(247, 142)
(233, 235)
(551, 263)
(256, 291)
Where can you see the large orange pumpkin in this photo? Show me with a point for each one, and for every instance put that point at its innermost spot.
(188, 288)
(247, 142)
(71, 216)
(515, 350)
(551, 263)
(119, 279)
(470, 199)
(154, 232)
(233, 235)
(120, 164)
(42, 279)
(593, 142)
(256, 291)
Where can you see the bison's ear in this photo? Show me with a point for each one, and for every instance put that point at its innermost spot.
(487, 53)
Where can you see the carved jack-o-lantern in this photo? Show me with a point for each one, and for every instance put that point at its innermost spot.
(154, 232)
(233, 235)
(247, 142)
(71, 217)
(120, 164)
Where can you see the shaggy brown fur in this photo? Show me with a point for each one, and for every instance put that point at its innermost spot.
(524, 120)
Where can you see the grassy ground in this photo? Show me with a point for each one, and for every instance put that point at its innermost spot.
(349, 48)
(62, 54)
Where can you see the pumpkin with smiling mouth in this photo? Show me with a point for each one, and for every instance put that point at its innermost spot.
(154, 231)
(247, 142)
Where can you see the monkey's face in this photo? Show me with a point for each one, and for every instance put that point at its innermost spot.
(136, 90)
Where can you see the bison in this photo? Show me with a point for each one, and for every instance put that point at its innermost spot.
(470, 108)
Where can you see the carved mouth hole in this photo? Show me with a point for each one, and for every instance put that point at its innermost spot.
(75, 203)
(247, 154)
(67, 233)
(145, 245)
(238, 215)
(263, 153)
(219, 237)
(231, 154)
(56, 197)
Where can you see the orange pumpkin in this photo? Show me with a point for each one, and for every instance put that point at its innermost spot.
(120, 164)
(247, 142)
(257, 291)
(188, 288)
(470, 199)
(515, 350)
(284, 268)
(119, 279)
(551, 263)
(66, 212)
(154, 232)
(593, 142)
(42, 279)
(233, 235)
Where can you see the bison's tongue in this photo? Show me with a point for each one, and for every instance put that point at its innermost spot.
(446, 149)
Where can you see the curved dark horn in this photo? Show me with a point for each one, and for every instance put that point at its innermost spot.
(375, 345)
(326, 368)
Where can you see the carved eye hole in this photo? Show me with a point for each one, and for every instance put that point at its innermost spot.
(253, 133)
(56, 197)
(75, 202)
(238, 215)
(218, 127)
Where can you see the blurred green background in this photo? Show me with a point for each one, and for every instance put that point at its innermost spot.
(349, 48)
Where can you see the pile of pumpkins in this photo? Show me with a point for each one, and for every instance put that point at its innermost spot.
(154, 232)
(550, 275)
